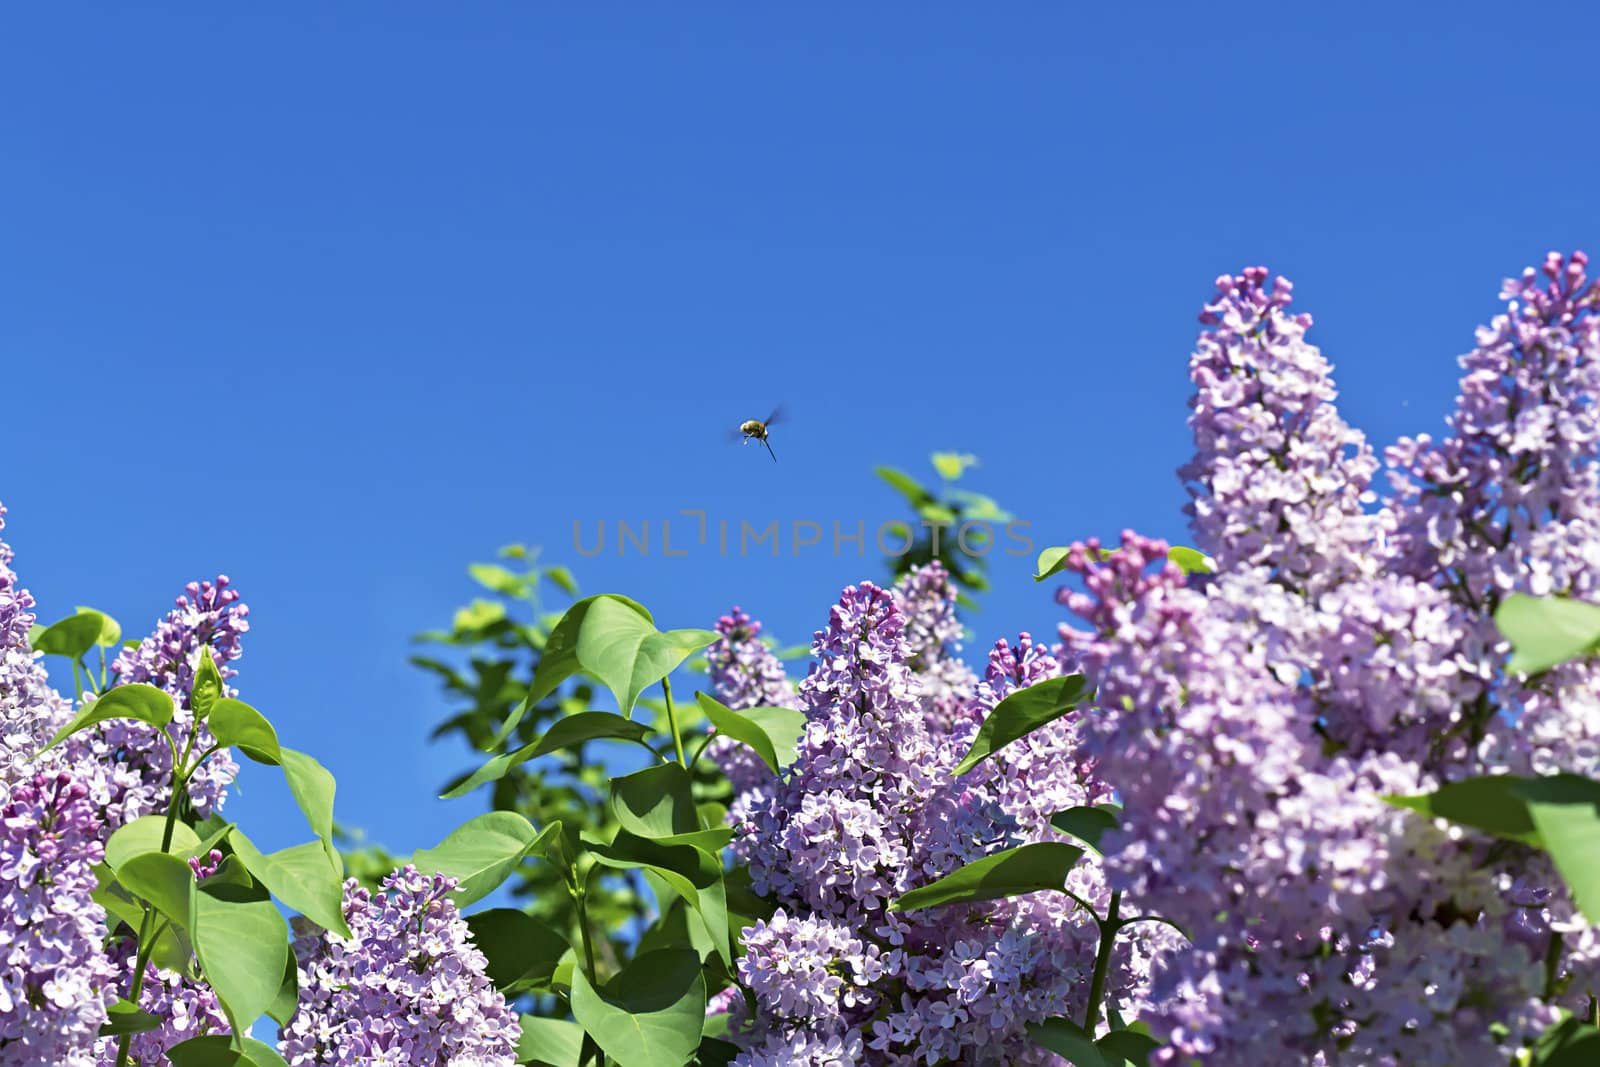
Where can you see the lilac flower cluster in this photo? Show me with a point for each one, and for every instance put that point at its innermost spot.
(186, 1008)
(407, 988)
(209, 620)
(744, 674)
(927, 599)
(1346, 650)
(869, 810)
(30, 710)
(54, 974)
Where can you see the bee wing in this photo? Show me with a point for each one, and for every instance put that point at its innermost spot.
(778, 415)
(734, 434)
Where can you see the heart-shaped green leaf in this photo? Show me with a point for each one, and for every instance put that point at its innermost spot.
(1547, 631)
(564, 733)
(1023, 712)
(480, 854)
(138, 701)
(308, 878)
(1014, 872)
(651, 1014)
(238, 725)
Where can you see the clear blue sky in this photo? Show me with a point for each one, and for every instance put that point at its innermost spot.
(338, 299)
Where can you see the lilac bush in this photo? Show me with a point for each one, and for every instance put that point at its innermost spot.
(1239, 729)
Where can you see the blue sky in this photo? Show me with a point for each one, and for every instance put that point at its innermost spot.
(337, 300)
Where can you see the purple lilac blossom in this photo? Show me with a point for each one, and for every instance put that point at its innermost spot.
(407, 989)
(744, 674)
(136, 762)
(187, 1009)
(30, 710)
(870, 810)
(927, 598)
(55, 979)
(1252, 724)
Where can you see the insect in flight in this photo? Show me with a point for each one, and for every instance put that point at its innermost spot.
(756, 430)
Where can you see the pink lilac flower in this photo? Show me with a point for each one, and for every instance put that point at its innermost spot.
(407, 988)
(55, 979)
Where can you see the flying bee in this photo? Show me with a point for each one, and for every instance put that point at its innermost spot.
(756, 430)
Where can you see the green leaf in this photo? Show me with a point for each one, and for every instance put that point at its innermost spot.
(115, 900)
(1051, 561)
(714, 1051)
(556, 1042)
(238, 725)
(478, 615)
(1190, 560)
(165, 881)
(952, 465)
(651, 1014)
(1489, 803)
(144, 835)
(494, 577)
(216, 1050)
(559, 659)
(138, 701)
(522, 951)
(1014, 872)
(110, 629)
(241, 947)
(785, 726)
(1088, 824)
(564, 733)
(1069, 1041)
(1022, 712)
(308, 878)
(480, 853)
(907, 486)
(627, 654)
(124, 1018)
(1127, 1046)
(563, 579)
(1547, 631)
(686, 867)
(207, 687)
(655, 802)
(1565, 809)
(313, 787)
(287, 1002)
(1569, 1043)
(773, 733)
(72, 636)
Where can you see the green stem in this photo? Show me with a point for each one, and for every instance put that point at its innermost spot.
(147, 942)
(672, 721)
(1102, 963)
(579, 892)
